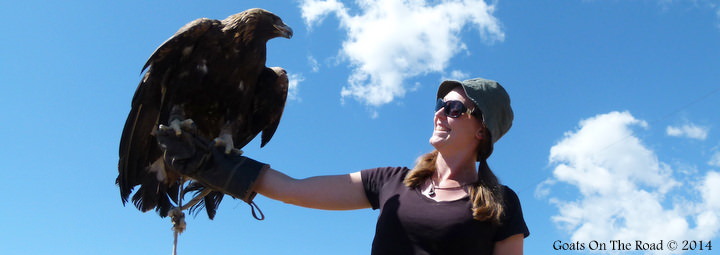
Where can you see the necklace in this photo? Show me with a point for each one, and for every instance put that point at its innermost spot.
(432, 193)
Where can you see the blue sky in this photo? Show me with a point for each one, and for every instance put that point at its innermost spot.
(615, 133)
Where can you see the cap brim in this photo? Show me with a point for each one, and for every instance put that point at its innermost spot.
(446, 87)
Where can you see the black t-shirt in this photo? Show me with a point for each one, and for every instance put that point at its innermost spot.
(411, 223)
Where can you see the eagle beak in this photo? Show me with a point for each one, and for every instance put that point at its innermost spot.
(284, 31)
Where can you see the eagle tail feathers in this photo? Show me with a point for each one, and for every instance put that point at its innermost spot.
(209, 202)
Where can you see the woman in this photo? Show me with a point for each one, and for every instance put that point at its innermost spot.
(445, 205)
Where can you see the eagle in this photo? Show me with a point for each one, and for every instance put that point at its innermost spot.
(210, 74)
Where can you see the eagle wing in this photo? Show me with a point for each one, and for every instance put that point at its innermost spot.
(268, 105)
(182, 42)
(139, 151)
(271, 97)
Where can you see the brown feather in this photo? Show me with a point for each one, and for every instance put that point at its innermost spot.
(209, 69)
(268, 105)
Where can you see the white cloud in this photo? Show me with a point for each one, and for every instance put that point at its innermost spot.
(688, 130)
(699, 4)
(715, 159)
(392, 40)
(710, 217)
(294, 81)
(543, 189)
(604, 147)
(313, 11)
(457, 75)
(315, 67)
(710, 189)
(626, 192)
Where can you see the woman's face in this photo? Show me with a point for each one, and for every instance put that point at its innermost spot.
(456, 134)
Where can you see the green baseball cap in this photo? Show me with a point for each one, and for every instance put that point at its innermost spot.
(490, 98)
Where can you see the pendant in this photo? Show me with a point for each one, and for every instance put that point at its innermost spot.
(431, 193)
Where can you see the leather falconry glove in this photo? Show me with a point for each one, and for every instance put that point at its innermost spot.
(194, 156)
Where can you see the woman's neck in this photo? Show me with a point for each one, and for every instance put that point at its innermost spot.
(458, 169)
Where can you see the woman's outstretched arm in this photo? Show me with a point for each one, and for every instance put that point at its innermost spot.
(330, 192)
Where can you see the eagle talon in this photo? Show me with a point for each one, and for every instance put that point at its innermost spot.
(182, 125)
(187, 124)
(237, 151)
(222, 141)
(176, 125)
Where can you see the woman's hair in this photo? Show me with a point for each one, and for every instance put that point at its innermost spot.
(485, 194)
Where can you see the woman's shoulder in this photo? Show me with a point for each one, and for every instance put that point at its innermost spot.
(513, 219)
(377, 181)
(385, 173)
(508, 191)
(509, 196)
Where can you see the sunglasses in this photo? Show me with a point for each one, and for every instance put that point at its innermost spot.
(451, 108)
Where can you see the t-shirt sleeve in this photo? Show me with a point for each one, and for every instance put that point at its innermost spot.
(513, 222)
(375, 178)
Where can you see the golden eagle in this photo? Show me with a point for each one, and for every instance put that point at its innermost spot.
(212, 72)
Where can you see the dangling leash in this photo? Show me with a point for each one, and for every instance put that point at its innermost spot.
(177, 216)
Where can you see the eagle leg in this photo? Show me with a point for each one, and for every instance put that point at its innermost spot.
(179, 125)
(225, 140)
(178, 121)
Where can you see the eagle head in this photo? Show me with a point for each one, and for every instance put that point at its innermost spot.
(257, 24)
